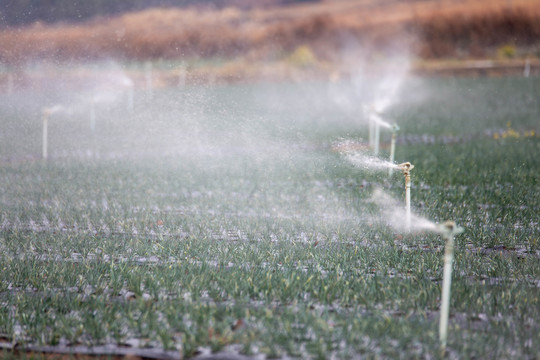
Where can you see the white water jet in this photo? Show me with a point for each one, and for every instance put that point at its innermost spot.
(395, 214)
(375, 123)
(386, 90)
(376, 118)
(349, 150)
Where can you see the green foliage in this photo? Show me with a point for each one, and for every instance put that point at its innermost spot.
(17, 12)
(302, 57)
(507, 52)
(277, 249)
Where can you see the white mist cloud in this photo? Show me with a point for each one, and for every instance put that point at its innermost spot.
(393, 213)
(372, 85)
(352, 151)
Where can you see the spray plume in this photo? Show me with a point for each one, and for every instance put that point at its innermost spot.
(378, 119)
(349, 150)
(387, 88)
(393, 212)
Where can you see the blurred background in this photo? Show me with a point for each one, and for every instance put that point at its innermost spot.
(231, 40)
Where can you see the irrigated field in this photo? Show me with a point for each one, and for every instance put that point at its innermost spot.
(221, 219)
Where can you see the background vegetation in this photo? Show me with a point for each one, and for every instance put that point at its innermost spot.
(333, 30)
(21, 12)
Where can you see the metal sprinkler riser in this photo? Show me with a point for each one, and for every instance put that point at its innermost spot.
(406, 167)
(395, 129)
(448, 230)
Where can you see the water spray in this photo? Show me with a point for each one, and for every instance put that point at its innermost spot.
(395, 129)
(406, 168)
(369, 112)
(45, 116)
(10, 83)
(128, 87)
(371, 132)
(448, 230)
(93, 116)
(377, 138)
(149, 80)
(375, 123)
(130, 98)
(182, 74)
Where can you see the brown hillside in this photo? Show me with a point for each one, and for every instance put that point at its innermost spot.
(431, 28)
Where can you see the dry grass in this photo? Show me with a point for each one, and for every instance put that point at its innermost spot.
(433, 29)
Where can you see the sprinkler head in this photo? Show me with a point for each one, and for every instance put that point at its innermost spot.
(449, 228)
(405, 167)
(395, 127)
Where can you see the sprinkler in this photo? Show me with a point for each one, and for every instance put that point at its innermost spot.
(374, 130)
(406, 168)
(45, 114)
(395, 129)
(448, 230)
(375, 123)
(368, 111)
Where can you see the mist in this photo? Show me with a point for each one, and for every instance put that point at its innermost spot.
(271, 135)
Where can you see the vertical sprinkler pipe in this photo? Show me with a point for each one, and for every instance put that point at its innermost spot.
(371, 132)
(395, 129)
(377, 138)
(448, 230)
(527, 68)
(374, 131)
(406, 168)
